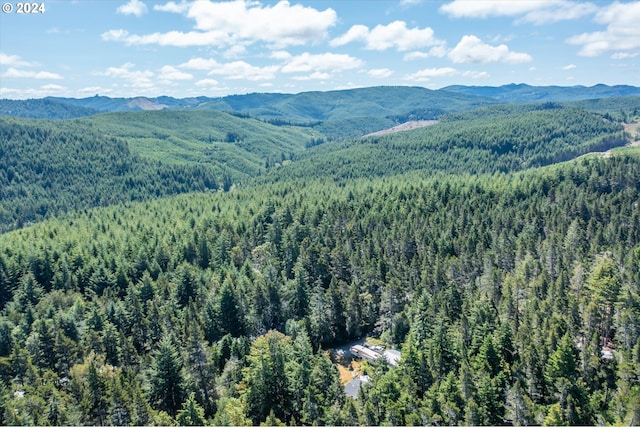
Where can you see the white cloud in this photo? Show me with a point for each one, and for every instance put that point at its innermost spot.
(355, 33)
(228, 23)
(171, 38)
(52, 88)
(622, 32)
(172, 7)
(14, 61)
(115, 35)
(169, 73)
(200, 64)
(533, 11)
(430, 73)
(280, 54)
(206, 82)
(232, 70)
(624, 55)
(436, 51)
(487, 8)
(92, 90)
(24, 74)
(235, 51)
(33, 92)
(472, 49)
(137, 79)
(559, 11)
(475, 74)
(569, 67)
(241, 70)
(412, 56)
(314, 76)
(380, 73)
(279, 25)
(133, 7)
(324, 61)
(394, 35)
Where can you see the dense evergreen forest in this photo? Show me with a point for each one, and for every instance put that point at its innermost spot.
(49, 167)
(52, 167)
(501, 291)
(498, 251)
(493, 139)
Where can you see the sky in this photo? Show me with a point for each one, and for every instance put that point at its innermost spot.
(129, 48)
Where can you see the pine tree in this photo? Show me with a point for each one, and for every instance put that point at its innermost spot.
(266, 379)
(228, 310)
(167, 380)
(191, 413)
(96, 399)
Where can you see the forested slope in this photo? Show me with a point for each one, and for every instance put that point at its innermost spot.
(493, 139)
(51, 167)
(523, 93)
(301, 107)
(243, 144)
(42, 109)
(502, 291)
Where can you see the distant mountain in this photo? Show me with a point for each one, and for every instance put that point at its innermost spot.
(43, 109)
(298, 108)
(380, 101)
(523, 93)
(140, 103)
(392, 103)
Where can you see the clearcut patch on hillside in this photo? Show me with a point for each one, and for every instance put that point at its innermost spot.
(414, 124)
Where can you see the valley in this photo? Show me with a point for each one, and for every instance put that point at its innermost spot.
(168, 260)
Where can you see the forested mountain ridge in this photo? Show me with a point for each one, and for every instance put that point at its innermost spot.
(308, 107)
(502, 291)
(523, 93)
(305, 106)
(43, 108)
(51, 167)
(500, 138)
(243, 144)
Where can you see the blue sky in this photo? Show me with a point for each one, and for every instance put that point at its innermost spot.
(190, 48)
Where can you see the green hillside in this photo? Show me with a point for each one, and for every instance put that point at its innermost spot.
(380, 101)
(523, 93)
(51, 167)
(492, 139)
(502, 292)
(43, 109)
(243, 144)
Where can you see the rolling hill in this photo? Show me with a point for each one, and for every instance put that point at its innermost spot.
(500, 138)
(523, 93)
(243, 144)
(43, 109)
(50, 167)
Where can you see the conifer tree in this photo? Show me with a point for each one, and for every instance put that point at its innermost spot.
(167, 380)
(191, 413)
